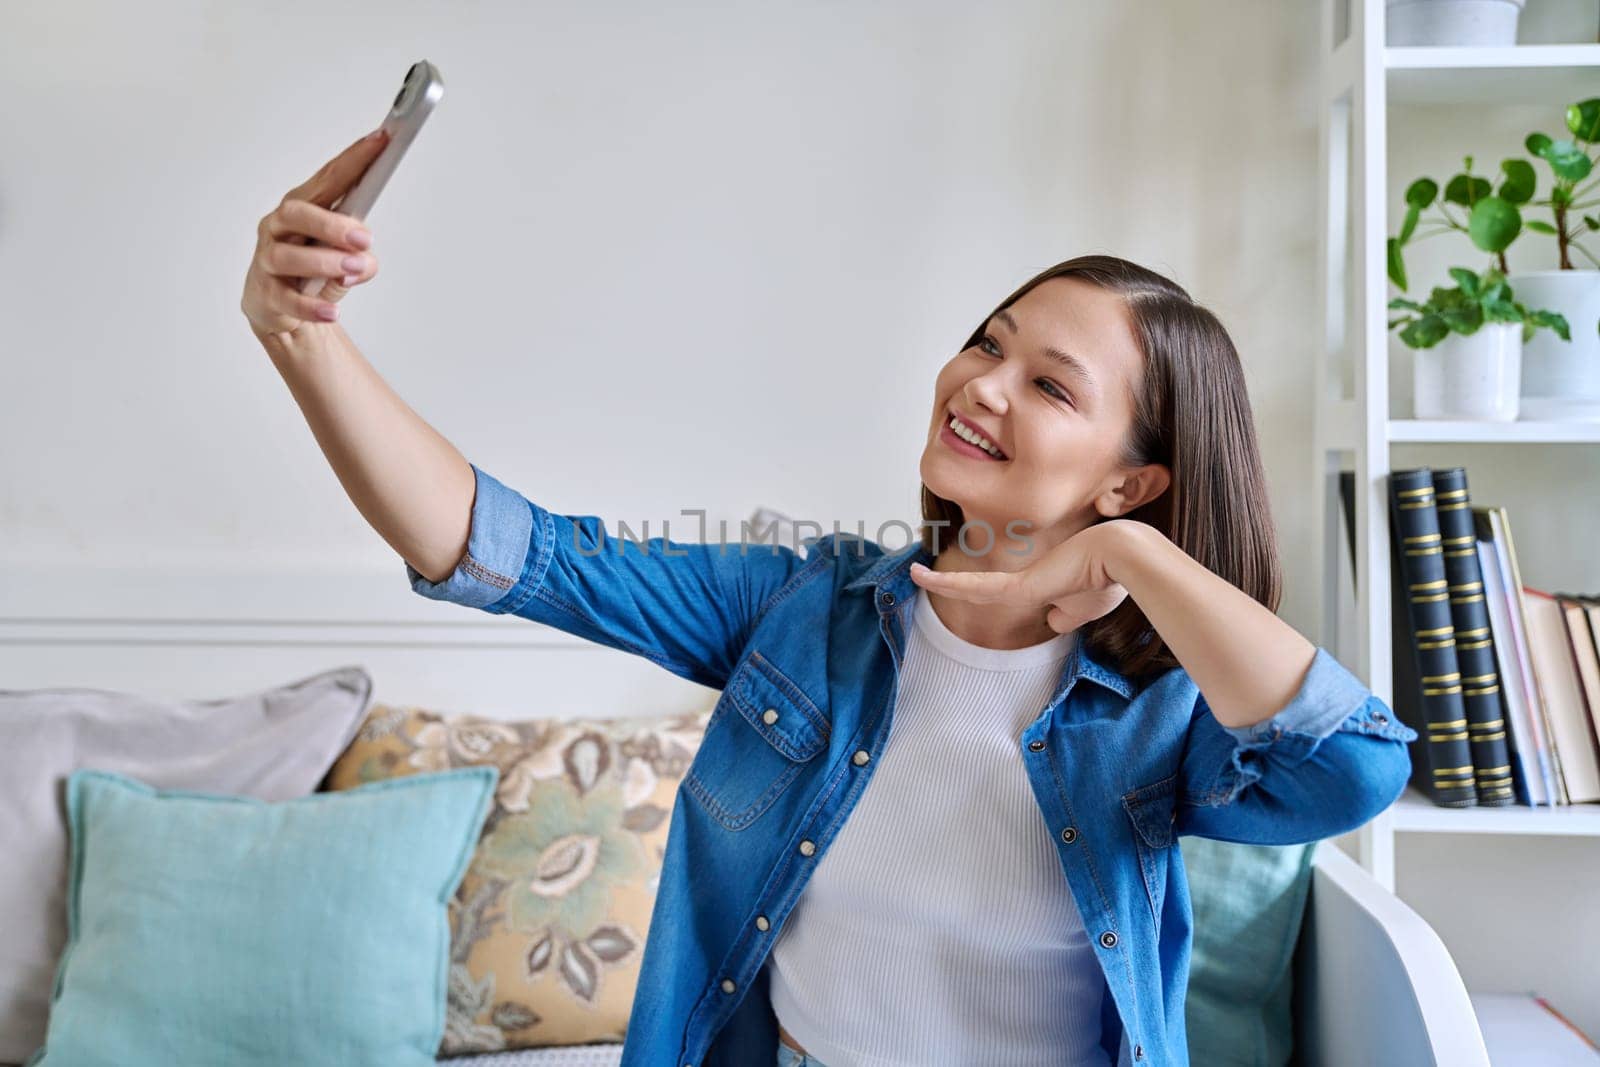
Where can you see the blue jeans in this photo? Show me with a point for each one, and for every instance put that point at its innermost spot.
(788, 1057)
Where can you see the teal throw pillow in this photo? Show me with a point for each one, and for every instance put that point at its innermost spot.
(1248, 903)
(205, 930)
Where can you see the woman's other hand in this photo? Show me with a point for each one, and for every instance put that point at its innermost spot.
(1070, 580)
(272, 301)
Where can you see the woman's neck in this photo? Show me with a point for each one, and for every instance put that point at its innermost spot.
(996, 626)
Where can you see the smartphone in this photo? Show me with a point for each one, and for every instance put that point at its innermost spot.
(412, 105)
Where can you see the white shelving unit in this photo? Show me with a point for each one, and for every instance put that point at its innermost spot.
(1415, 813)
(1360, 79)
(1534, 73)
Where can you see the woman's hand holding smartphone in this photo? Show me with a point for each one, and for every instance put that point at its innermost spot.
(272, 299)
(405, 478)
(312, 248)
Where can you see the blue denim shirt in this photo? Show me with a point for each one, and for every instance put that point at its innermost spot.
(806, 650)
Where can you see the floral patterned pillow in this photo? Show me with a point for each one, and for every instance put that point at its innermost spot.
(548, 927)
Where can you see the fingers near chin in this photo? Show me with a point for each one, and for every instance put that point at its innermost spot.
(1064, 622)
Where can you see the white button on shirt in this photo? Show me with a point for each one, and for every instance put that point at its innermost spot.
(938, 927)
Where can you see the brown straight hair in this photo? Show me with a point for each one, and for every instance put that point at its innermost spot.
(1192, 415)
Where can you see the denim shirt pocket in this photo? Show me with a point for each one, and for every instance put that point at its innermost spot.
(761, 734)
(1153, 811)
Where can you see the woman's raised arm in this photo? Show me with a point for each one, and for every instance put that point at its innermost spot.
(406, 479)
(408, 482)
(690, 607)
(464, 536)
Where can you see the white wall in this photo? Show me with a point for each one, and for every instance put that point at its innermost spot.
(640, 260)
(645, 259)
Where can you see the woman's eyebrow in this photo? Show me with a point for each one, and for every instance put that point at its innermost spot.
(1071, 363)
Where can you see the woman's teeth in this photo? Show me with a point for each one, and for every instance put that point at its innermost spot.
(973, 437)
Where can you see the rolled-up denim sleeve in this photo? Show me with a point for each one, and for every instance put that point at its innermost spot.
(687, 606)
(1328, 762)
(498, 544)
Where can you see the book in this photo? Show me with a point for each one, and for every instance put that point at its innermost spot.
(1591, 606)
(1530, 756)
(1539, 706)
(1469, 614)
(1581, 642)
(1565, 707)
(1427, 676)
(1529, 765)
(1342, 616)
(1347, 495)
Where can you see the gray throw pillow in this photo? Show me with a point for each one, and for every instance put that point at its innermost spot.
(275, 745)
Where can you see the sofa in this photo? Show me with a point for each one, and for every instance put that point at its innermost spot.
(1358, 977)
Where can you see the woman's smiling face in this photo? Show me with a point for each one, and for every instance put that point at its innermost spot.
(1050, 383)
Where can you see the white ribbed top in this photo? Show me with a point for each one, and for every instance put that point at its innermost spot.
(938, 927)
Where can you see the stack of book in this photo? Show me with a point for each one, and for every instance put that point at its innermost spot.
(1500, 680)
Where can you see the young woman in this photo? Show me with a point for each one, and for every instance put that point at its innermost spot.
(1077, 662)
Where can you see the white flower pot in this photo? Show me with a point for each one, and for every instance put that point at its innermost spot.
(1471, 377)
(1452, 22)
(1561, 379)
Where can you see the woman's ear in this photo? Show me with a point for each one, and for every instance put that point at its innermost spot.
(1135, 490)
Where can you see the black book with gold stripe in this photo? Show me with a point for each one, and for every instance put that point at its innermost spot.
(1427, 675)
(1475, 652)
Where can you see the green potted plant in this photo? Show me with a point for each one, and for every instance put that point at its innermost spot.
(1467, 341)
(1493, 219)
(1561, 380)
